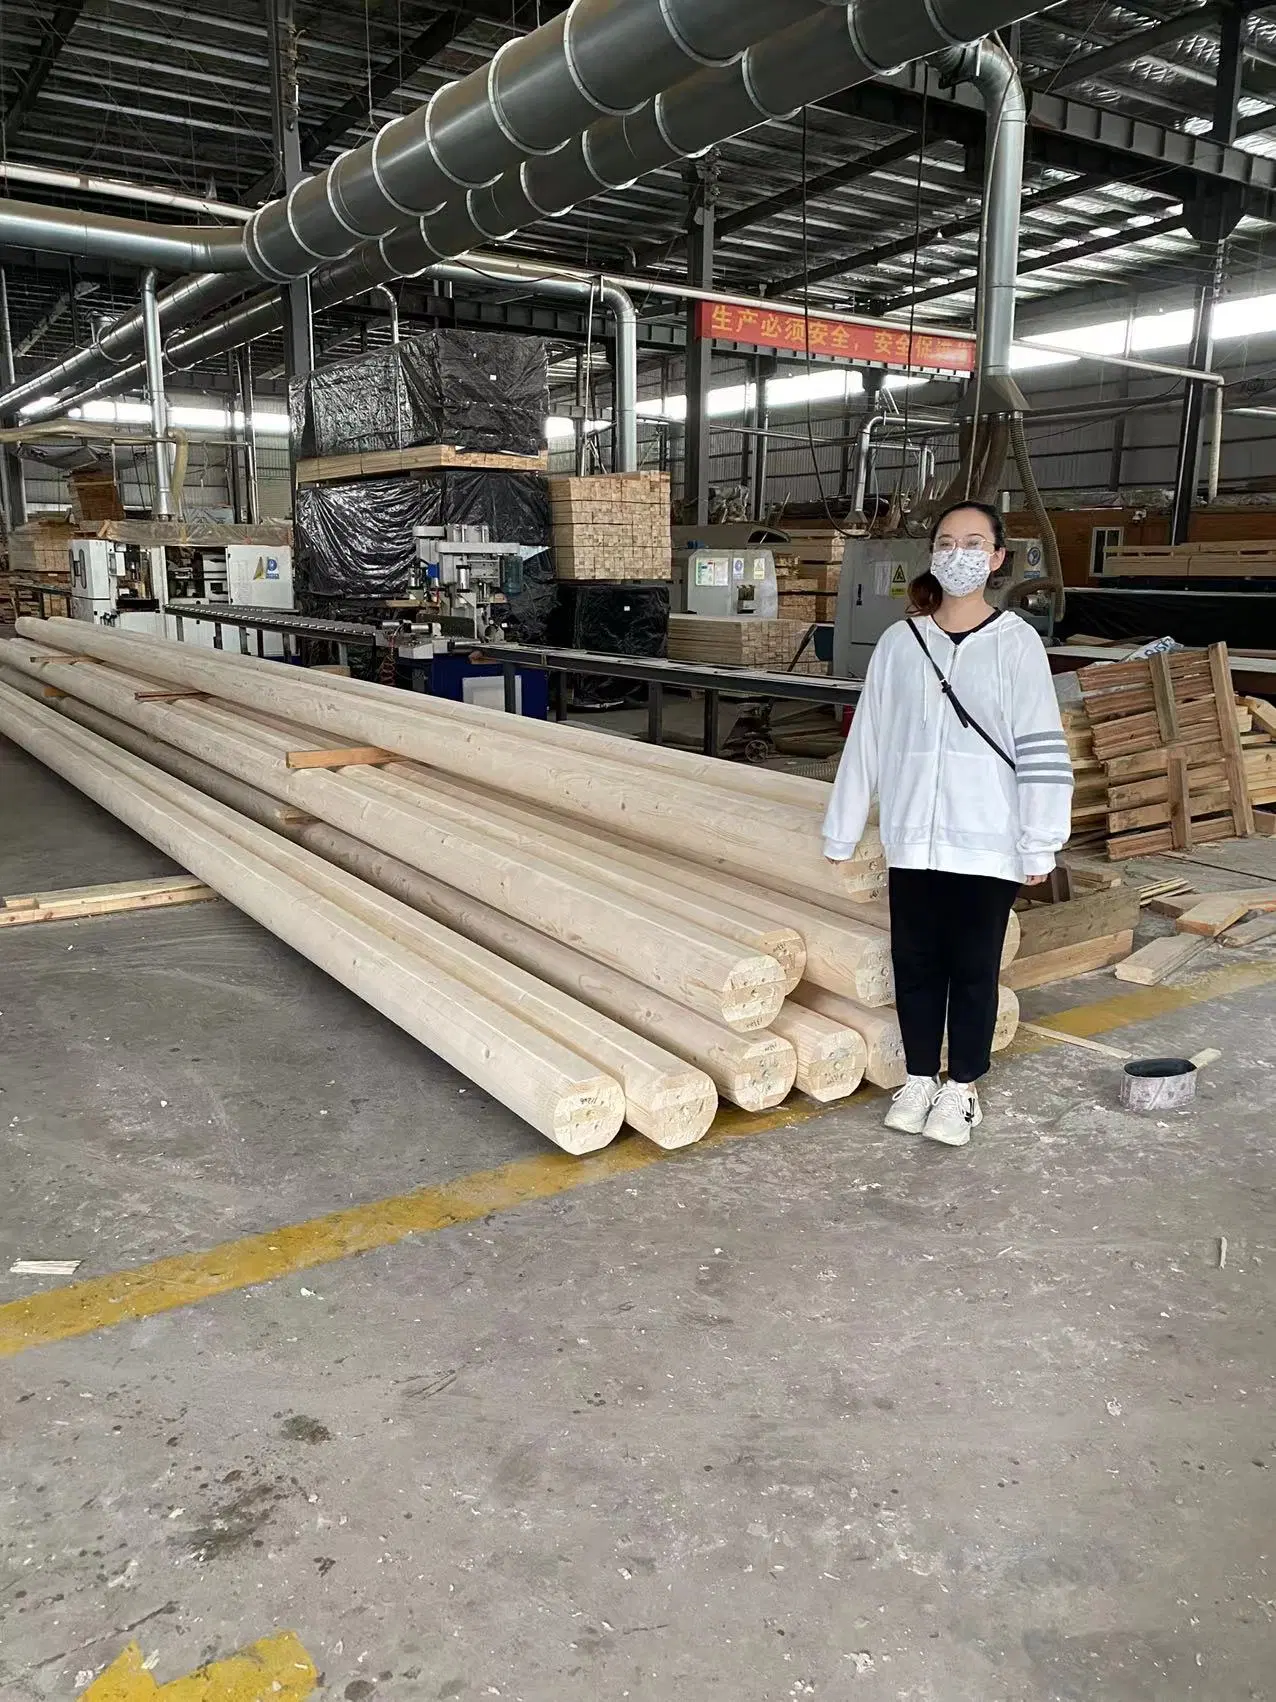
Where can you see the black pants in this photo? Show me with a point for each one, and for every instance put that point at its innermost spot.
(947, 932)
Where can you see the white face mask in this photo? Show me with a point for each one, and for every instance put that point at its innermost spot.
(960, 570)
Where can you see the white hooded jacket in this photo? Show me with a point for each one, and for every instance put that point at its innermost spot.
(946, 800)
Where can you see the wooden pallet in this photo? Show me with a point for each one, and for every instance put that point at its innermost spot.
(1165, 730)
(426, 458)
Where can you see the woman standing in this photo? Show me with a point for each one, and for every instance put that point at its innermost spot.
(958, 735)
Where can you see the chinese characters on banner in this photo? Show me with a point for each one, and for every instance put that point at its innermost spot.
(870, 344)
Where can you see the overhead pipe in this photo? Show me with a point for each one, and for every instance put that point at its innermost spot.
(655, 41)
(119, 189)
(818, 56)
(121, 343)
(388, 293)
(176, 248)
(536, 92)
(155, 395)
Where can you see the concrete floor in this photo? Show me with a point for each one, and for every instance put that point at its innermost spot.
(818, 1412)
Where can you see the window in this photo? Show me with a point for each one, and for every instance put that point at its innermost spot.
(1103, 539)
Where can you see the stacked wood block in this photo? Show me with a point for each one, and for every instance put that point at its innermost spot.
(1165, 731)
(94, 496)
(423, 458)
(1090, 788)
(40, 566)
(799, 596)
(611, 526)
(1199, 561)
(815, 552)
(742, 641)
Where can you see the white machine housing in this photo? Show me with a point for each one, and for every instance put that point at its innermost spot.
(246, 576)
(119, 585)
(739, 580)
(872, 592)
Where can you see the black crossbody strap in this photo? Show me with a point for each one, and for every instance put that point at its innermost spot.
(963, 714)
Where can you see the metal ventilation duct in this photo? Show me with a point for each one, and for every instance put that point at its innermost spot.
(598, 57)
(813, 58)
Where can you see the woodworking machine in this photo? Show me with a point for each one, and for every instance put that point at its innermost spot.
(462, 577)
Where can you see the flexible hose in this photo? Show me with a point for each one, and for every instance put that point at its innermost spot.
(995, 454)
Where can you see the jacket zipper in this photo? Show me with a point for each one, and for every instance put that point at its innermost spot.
(939, 753)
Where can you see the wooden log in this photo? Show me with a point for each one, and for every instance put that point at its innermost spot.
(1159, 958)
(884, 1062)
(754, 1071)
(554, 1089)
(700, 969)
(670, 1102)
(830, 1056)
(839, 953)
(520, 828)
(771, 842)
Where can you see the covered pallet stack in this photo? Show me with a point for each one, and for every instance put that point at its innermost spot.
(1165, 731)
(592, 930)
(611, 526)
(40, 566)
(743, 641)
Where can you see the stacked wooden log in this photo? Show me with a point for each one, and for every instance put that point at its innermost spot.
(593, 930)
(611, 526)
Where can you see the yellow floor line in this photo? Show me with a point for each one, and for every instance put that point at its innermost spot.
(186, 1278)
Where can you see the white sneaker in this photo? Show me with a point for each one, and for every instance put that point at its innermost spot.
(955, 1112)
(910, 1107)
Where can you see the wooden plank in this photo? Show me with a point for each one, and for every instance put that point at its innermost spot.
(1154, 841)
(1263, 712)
(1212, 915)
(1090, 916)
(1156, 790)
(1167, 714)
(1265, 823)
(72, 903)
(1172, 905)
(1242, 809)
(1143, 764)
(1198, 804)
(1180, 800)
(1154, 961)
(429, 457)
(1250, 933)
(344, 756)
(1062, 962)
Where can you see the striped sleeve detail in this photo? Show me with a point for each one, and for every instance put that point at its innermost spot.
(1041, 759)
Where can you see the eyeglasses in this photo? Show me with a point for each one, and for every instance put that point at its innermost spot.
(974, 541)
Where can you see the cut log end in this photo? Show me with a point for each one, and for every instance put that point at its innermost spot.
(761, 1076)
(680, 1114)
(831, 1058)
(588, 1116)
(753, 994)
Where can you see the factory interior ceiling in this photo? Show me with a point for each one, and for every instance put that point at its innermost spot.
(868, 201)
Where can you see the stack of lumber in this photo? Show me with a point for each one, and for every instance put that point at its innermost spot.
(1090, 783)
(593, 930)
(40, 566)
(742, 641)
(612, 526)
(1245, 916)
(814, 552)
(1215, 560)
(799, 598)
(94, 496)
(1165, 731)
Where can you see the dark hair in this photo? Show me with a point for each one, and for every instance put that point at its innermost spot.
(925, 593)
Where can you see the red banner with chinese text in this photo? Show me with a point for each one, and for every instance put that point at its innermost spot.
(869, 344)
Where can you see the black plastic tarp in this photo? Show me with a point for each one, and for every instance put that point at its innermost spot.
(354, 540)
(477, 390)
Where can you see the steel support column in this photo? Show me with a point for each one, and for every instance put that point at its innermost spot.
(767, 367)
(12, 491)
(702, 196)
(1211, 221)
(243, 401)
(285, 120)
